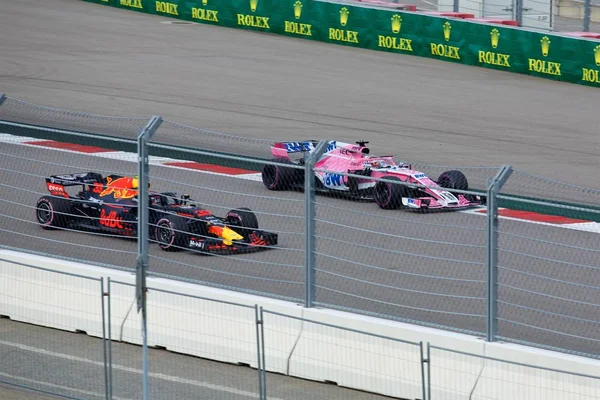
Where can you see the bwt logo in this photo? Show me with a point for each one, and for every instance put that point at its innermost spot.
(333, 179)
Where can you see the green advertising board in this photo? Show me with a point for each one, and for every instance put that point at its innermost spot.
(485, 45)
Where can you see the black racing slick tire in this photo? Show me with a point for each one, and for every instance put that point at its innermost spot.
(243, 220)
(453, 180)
(53, 212)
(171, 233)
(277, 177)
(388, 193)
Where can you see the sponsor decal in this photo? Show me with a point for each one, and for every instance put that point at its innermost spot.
(120, 188)
(331, 179)
(491, 57)
(395, 42)
(544, 66)
(296, 27)
(293, 147)
(197, 243)
(111, 220)
(203, 14)
(254, 21)
(166, 8)
(445, 50)
(343, 35)
(590, 74)
(56, 188)
(130, 3)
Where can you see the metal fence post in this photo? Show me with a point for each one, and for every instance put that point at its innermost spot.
(104, 344)
(587, 12)
(423, 361)
(263, 354)
(110, 388)
(309, 194)
(143, 220)
(428, 372)
(455, 6)
(494, 187)
(260, 350)
(519, 11)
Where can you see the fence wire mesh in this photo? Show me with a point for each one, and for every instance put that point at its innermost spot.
(457, 375)
(23, 112)
(321, 351)
(40, 359)
(427, 268)
(124, 328)
(533, 187)
(184, 332)
(33, 200)
(174, 133)
(548, 280)
(224, 229)
(396, 254)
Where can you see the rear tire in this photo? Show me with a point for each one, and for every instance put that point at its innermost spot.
(53, 212)
(388, 193)
(171, 233)
(244, 220)
(276, 177)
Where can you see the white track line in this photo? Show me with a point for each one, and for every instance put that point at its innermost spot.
(175, 379)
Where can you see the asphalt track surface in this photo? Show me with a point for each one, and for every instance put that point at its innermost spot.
(79, 56)
(72, 365)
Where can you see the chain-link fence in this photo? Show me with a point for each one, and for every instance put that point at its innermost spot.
(455, 374)
(181, 323)
(351, 358)
(548, 286)
(43, 360)
(213, 348)
(488, 251)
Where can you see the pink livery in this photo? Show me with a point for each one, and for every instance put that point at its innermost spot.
(350, 170)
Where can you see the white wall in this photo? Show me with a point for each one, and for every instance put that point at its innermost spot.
(308, 350)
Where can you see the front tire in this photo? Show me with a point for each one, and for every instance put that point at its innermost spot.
(53, 212)
(453, 180)
(244, 220)
(171, 234)
(389, 192)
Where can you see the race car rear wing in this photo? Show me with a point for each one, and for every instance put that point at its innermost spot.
(283, 149)
(85, 178)
(56, 183)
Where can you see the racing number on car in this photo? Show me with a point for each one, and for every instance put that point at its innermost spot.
(111, 220)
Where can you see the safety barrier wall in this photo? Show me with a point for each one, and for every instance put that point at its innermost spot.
(317, 344)
(43, 294)
(450, 39)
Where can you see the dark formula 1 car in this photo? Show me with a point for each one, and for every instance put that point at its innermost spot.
(110, 204)
(340, 159)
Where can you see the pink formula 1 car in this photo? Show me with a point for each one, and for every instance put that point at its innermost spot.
(340, 159)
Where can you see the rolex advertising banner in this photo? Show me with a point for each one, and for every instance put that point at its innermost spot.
(486, 45)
